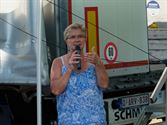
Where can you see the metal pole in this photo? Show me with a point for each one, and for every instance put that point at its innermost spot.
(39, 22)
(159, 85)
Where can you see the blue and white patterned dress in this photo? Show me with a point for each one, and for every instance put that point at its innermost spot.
(81, 103)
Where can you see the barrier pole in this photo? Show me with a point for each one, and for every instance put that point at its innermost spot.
(39, 39)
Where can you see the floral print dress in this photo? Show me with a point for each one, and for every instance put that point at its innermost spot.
(81, 103)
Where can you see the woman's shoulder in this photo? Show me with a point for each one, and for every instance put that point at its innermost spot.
(57, 61)
(91, 66)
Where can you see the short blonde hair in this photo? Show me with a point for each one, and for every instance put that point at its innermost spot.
(67, 31)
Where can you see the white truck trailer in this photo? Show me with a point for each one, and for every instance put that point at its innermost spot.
(116, 28)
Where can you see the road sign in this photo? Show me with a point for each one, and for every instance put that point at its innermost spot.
(110, 52)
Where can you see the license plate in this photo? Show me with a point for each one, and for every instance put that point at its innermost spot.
(132, 101)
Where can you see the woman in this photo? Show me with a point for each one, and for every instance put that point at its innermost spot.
(78, 91)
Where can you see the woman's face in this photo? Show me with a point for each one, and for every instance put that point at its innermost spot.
(75, 38)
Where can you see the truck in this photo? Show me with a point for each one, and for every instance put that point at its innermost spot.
(134, 56)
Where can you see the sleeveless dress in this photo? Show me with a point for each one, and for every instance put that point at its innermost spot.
(81, 103)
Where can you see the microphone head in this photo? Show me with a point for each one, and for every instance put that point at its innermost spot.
(77, 47)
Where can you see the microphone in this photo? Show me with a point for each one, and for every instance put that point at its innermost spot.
(78, 49)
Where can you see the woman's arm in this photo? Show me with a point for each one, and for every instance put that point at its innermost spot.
(58, 81)
(101, 73)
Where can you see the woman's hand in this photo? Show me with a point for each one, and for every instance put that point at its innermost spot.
(92, 57)
(73, 60)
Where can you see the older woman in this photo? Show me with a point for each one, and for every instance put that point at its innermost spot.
(78, 91)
